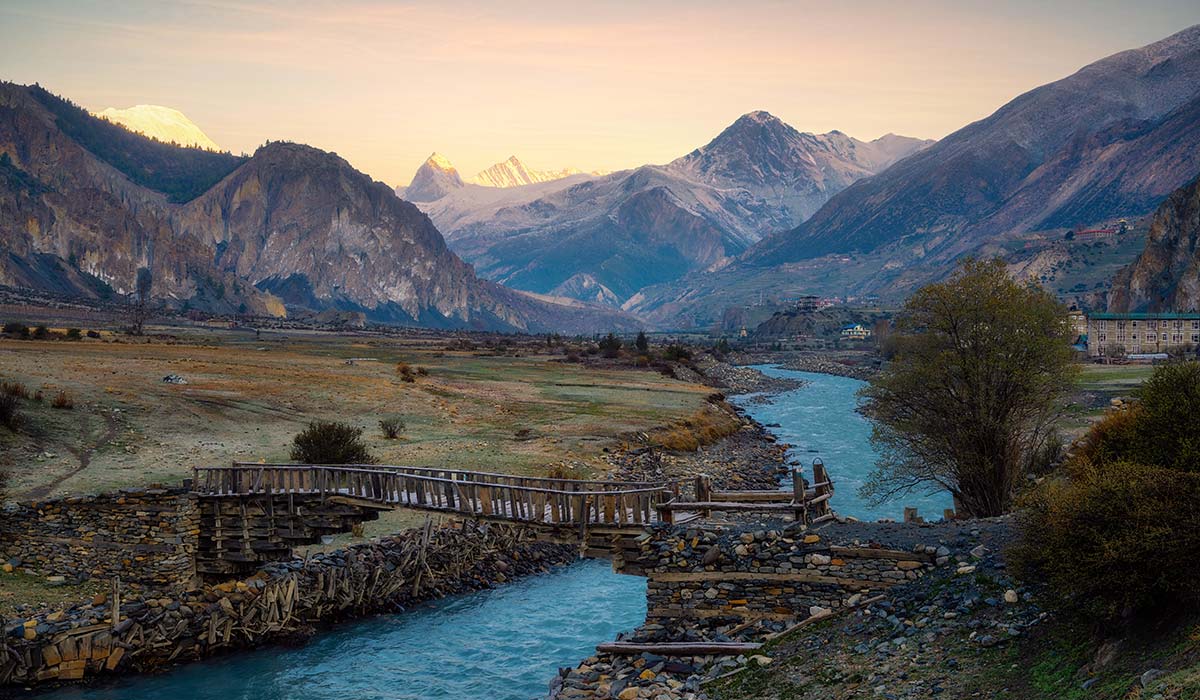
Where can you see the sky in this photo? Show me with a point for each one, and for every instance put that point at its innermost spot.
(598, 85)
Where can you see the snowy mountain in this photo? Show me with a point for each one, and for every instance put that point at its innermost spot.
(514, 173)
(434, 179)
(605, 238)
(162, 123)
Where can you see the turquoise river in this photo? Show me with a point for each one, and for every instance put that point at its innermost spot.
(508, 642)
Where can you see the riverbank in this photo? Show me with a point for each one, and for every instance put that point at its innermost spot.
(859, 365)
(897, 618)
(282, 603)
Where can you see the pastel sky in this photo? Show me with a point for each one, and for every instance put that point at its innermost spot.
(600, 85)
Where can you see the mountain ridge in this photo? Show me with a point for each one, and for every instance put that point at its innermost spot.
(291, 228)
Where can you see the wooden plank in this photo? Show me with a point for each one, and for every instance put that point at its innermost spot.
(679, 648)
(795, 577)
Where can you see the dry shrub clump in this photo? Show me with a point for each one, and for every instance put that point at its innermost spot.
(391, 427)
(566, 471)
(14, 389)
(63, 401)
(10, 412)
(702, 428)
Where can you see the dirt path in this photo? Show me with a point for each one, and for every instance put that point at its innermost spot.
(83, 454)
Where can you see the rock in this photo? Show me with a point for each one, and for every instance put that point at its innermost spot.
(630, 693)
(1150, 676)
(1010, 596)
(819, 559)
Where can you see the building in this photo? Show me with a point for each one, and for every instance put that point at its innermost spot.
(808, 304)
(1119, 335)
(856, 331)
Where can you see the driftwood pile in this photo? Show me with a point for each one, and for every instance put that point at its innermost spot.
(283, 602)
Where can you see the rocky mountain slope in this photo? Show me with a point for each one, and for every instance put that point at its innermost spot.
(1166, 275)
(625, 231)
(1112, 140)
(85, 204)
(162, 123)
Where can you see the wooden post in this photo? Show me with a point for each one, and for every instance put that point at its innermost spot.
(704, 492)
(116, 601)
(801, 512)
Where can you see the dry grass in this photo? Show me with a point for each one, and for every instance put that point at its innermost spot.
(246, 397)
(702, 428)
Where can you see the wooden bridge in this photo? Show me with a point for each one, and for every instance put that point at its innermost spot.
(251, 513)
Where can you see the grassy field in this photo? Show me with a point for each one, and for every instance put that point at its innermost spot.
(246, 396)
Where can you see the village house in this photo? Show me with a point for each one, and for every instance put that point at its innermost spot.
(1127, 334)
(856, 331)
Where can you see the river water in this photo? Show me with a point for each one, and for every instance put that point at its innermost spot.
(820, 420)
(508, 642)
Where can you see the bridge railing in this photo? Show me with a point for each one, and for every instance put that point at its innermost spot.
(518, 498)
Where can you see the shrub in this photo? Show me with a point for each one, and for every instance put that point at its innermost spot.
(17, 329)
(74, 334)
(610, 346)
(406, 372)
(391, 427)
(566, 471)
(15, 389)
(677, 353)
(10, 412)
(41, 333)
(62, 401)
(1118, 531)
(38, 396)
(1114, 538)
(330, 442)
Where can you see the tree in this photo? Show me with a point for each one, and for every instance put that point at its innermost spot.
(329, 442)
(968, 402)
(139, 308)
(642, 343)
(610, 346)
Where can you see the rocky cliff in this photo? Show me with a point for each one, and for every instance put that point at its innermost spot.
(85, 204)
(1166, 275)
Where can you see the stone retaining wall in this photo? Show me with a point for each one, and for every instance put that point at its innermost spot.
(144, 536)
(281, 602)
(764, 574)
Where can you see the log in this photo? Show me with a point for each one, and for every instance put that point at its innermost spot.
(678, 648)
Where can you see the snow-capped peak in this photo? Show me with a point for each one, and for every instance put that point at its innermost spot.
(163, 123)
(439, 161)
(514, 173)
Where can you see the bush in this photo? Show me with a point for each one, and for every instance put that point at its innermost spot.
(391, 427)
(330, 442)
(406, 372)
(1118, 532)
(17, 329)
(15, 389)
(677, 353)
(10, 412)
(41, 333)
(62, 401)
(1113, 539)
(74, 334)
(610, 346)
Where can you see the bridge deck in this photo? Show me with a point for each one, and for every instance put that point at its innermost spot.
(530, 500)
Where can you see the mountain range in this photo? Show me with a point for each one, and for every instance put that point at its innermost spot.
(604, 238)
(1112, 140)
(85, 204)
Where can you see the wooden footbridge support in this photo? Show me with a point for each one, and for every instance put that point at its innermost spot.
(257, 513)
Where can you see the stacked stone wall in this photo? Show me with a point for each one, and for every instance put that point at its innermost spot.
(144, 537)
(764, 574)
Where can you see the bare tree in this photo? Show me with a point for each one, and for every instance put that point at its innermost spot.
(139, 307)
(969, 401)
